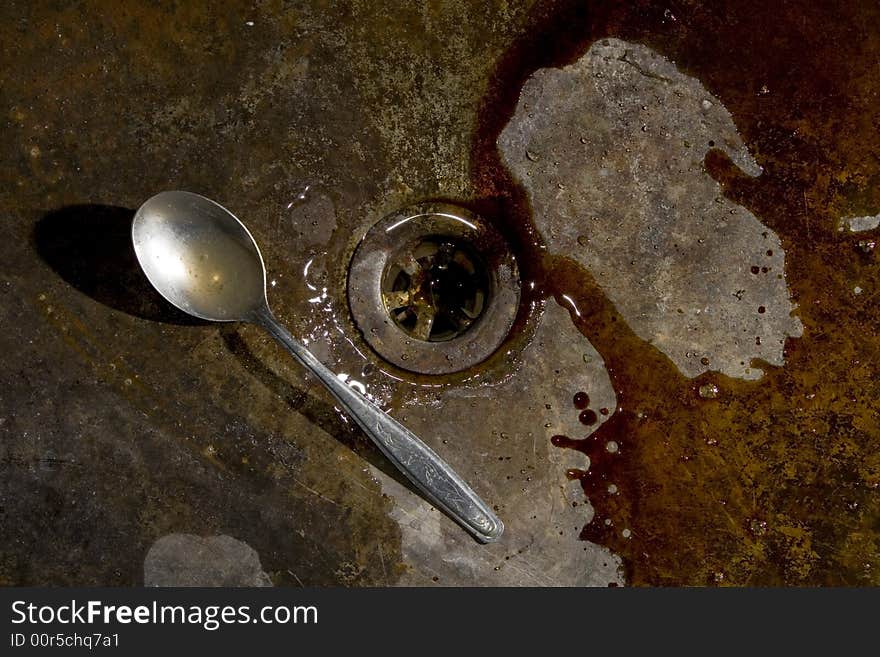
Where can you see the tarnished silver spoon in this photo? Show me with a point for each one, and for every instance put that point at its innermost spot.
(203, 260)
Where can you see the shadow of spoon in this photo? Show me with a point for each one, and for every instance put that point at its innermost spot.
(89, 246)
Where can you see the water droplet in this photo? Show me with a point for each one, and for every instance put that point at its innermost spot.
(612, 447)
(588, 417)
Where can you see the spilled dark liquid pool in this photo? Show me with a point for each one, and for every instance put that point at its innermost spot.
(716, 480)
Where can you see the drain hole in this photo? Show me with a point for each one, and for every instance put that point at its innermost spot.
(436, 290)
(433, 288)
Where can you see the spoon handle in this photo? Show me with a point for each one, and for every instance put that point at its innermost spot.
(421, 465)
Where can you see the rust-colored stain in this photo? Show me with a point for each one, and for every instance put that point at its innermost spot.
(774, 481)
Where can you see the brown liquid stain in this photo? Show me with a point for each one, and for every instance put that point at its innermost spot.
(771, 482)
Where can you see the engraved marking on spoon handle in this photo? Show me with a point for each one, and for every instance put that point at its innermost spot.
(421, 465)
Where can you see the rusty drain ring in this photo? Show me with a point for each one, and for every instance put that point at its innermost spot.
(443, 232)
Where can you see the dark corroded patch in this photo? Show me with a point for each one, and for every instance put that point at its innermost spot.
(766, 482)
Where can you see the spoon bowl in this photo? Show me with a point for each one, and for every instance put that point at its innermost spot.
(199, 256)
(203, 260)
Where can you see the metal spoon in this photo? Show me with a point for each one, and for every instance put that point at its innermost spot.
(203, 260)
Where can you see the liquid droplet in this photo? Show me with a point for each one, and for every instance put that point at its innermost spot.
(581, 400)
(588, 417)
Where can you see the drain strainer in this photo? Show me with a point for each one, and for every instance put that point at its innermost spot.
(433, 288)
(437, 289)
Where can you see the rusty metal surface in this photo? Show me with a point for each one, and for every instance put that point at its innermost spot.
(124, 422)
(135, 441)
